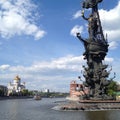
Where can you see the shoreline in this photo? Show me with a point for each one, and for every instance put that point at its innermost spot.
(15, 97)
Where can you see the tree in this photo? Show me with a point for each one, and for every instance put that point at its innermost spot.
(1, 92)
(25, 92)
(112, 88)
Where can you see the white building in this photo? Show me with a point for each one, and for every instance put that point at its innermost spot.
(16, 86)
(46, 90)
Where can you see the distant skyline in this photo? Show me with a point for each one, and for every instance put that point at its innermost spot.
(38, 42)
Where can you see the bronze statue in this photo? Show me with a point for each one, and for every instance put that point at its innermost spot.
(92, 24)
(96, 48)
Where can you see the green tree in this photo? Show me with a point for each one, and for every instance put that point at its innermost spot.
(25, 92)
(112, 88)
(1, 92)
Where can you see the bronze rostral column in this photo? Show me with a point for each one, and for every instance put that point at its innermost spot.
(96, 48)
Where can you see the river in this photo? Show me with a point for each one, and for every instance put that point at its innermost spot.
(29, 109)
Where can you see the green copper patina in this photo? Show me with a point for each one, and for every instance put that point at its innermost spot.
(96, 48)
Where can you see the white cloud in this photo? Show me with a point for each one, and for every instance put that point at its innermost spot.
(39, 34)
(76, 29)
(110, 22)
(16, 18)
(109, 60)
(58, 71)
(77, 14)
(4, 67)
(69, 62)
(110, 17)
(113, 45)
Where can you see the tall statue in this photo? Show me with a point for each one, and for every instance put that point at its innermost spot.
(96, 48)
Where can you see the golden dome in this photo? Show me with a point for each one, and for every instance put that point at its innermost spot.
(17, 78)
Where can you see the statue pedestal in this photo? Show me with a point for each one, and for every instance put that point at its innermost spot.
(89, 105)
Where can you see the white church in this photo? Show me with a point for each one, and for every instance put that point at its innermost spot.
(16, 86)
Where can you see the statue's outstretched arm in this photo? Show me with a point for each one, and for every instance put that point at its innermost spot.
(80, 38)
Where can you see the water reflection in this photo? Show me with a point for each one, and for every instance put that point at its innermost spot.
(98, 115)
(103, 115)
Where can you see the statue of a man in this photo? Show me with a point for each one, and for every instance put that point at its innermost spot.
(92, 24)
(90, 3)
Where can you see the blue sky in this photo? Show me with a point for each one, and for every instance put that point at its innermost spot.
(38, 43)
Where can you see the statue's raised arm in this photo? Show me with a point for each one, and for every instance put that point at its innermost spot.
(80, 38)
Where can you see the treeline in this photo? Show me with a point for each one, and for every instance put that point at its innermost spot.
(2, 93)
(31, 93)
(53, 94)
(24, 92)
(113, 89)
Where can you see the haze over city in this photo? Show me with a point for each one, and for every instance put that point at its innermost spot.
(38, 41)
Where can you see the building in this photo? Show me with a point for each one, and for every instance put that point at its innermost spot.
(77, 90)
(16, 86)
(46, 90)
(3, 90)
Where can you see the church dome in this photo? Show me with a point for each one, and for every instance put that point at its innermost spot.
(17, 78)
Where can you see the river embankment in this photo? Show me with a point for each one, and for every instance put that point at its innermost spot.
(14, 97)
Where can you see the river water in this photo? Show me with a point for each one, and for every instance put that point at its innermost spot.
(29, 109)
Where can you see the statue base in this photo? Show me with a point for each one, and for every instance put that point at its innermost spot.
(89, 105)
